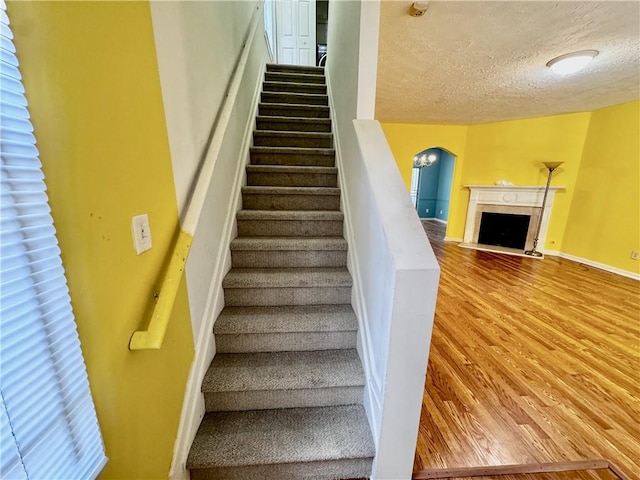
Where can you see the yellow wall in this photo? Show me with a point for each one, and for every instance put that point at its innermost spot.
(514, 151)
(597, 217)
(92, 82)
(405, 140)
(604, 220)
(510, 150)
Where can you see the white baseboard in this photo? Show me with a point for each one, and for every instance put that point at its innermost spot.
(453, 239)
(591, 263)
(373, 386)
(434, 219)
(193, 408)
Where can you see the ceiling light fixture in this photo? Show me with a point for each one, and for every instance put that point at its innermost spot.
(571, 62)
(424, 160)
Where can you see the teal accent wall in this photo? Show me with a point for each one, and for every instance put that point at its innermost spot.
(428, 186)
(434, 186)
(445, 178)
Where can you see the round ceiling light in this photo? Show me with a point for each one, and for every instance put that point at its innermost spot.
(571, 62)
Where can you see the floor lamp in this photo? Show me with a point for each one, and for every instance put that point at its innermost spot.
(551, 166)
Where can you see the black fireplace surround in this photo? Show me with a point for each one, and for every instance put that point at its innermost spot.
(504, 230)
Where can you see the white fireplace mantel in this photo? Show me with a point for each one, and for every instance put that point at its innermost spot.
(507, 196)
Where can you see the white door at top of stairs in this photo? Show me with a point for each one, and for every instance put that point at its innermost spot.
(296, 32)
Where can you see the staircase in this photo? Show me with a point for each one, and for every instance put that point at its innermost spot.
(283, 394)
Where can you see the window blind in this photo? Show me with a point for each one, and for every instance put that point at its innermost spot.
(49, 427)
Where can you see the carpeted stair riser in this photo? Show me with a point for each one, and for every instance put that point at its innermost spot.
(294, 77)
(274, 244)
(275, 67)
(284, 342)
(292, 156)
(324, 470)
(287, 296)
(290, 228)
(264, 400)
(294, 98)
(254, 199)
(267, 138)
(290, 110)
(299, 443)
(293, 124)
(290, 87)
(284, 259)
(291, 176)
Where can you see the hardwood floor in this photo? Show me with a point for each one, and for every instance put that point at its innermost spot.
(532, 361)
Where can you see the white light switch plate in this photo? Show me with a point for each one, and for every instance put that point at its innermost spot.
(141, 233)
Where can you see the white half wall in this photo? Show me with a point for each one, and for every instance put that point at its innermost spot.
(199, 45)
(394, 270)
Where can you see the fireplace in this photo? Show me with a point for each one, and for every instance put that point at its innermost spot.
(504, 230)
(504, 217)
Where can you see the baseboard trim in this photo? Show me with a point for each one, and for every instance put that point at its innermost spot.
(591, 263)
(571, 466)
(453, 239)
(193, 408)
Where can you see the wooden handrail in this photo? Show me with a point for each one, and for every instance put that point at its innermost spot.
(152, 337)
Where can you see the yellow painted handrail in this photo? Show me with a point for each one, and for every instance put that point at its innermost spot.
(152, 337)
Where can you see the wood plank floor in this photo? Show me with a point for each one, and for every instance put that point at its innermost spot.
(532, 361)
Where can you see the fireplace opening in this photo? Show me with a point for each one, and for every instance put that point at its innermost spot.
(504, 229)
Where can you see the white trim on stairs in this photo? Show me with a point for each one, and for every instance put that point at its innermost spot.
(193, 408)
(373, 385)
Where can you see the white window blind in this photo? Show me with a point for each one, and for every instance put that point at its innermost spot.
(49, 428)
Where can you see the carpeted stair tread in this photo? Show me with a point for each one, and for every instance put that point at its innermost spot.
(287, 134)
(288, 243)
(293, 98)
(307, 170)
(293, 110)
(281, 67)
(294, 123)
(277, 190)
(298, 77)
(238, 372)
(294, 87)
(297, 150)
(285, 215)
(286, 319)
(287, 278)
(291, 106)
(281, 436)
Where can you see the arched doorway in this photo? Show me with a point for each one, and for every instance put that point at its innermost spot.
(431, 181)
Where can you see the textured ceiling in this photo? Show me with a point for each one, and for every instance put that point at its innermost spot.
(479, 61)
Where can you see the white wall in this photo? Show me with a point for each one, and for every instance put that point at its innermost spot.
(394, 270)
(198, 46)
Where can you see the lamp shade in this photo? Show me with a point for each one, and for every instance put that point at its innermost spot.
(552, 165)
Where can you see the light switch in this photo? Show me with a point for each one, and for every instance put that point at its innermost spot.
(141, 233)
